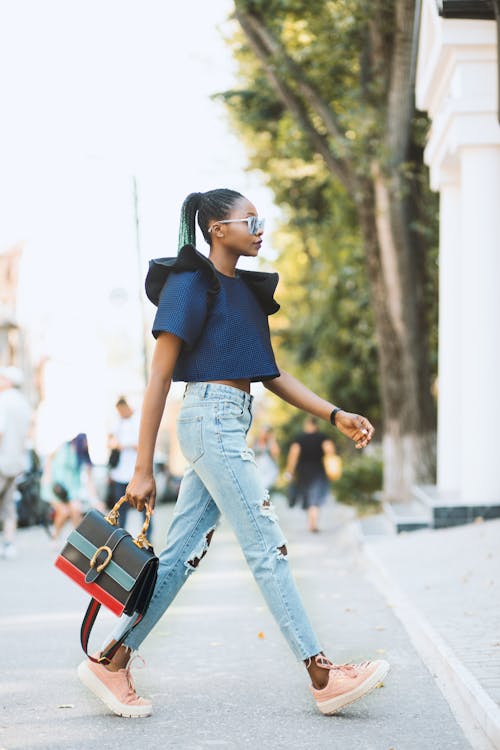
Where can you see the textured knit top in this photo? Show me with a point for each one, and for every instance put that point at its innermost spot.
(221, 320)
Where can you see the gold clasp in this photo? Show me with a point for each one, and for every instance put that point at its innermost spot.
(101, 567)
(142, 541)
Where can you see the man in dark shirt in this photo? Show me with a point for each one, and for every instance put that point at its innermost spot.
(305, 465)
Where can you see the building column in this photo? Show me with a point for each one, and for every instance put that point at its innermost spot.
(480, 324)
(450, 419)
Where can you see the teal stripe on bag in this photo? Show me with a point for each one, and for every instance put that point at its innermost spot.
(112, 569)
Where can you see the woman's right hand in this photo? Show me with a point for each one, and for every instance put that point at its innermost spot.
(141, 490)
(356, 427)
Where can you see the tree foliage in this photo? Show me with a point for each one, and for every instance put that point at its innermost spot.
(316, 81)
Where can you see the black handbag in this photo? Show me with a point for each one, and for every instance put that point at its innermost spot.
(114, 458)
(117, 570)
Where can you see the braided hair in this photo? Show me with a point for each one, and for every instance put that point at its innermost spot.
(214, 204)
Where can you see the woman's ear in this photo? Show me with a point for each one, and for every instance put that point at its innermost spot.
(217, 229)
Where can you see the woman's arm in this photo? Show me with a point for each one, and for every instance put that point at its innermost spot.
(141, 488)
(292, 461)
(294, 392)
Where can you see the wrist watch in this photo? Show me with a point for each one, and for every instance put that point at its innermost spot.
(334, 414)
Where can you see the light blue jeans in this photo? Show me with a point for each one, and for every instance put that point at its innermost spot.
(222, 477)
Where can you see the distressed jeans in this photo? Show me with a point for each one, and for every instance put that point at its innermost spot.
(222, 477)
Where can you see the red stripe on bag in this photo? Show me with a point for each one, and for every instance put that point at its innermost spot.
(88, 623)
(91, 588)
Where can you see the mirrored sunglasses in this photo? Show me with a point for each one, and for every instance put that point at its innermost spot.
(254, 223)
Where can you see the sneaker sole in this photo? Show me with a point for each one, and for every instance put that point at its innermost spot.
(94, 684)
(333, 705)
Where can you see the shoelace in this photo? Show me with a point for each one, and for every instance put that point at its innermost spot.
(131, 686)
(349, 669)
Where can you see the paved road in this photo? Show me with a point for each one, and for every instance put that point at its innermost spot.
(216, 682)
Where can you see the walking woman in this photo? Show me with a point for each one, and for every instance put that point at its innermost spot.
(212, 332)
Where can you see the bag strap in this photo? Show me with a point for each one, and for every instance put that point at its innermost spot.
(93, 609)
(87, 625)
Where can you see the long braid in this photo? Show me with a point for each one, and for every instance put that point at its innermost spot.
(187, 229)
(212, 205)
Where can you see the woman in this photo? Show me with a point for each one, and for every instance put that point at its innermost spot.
(212, 332)
(68, 481)
(305, 465)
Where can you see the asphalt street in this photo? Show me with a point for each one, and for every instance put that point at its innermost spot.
(217, 668)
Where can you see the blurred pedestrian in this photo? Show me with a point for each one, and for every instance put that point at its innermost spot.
(68, 483)
(305, 468)
(213, 333)
(122, 441)
(15, 420)
(267, 453)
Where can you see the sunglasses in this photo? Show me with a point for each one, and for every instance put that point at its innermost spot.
(255, 225)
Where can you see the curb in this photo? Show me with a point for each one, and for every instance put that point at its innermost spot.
(476, 713)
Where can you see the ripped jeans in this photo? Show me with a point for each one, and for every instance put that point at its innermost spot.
(222, 477)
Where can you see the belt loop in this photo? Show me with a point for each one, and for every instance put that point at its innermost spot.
(204, 390)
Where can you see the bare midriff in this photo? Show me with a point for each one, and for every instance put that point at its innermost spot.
(242, 384)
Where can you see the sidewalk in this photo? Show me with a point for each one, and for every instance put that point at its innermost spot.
(219, 671)
(444, 587)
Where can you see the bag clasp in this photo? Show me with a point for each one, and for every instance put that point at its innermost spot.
(101, 566)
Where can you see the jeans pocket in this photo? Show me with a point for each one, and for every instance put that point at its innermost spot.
(190, 434)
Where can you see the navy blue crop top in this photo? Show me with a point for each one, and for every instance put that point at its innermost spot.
(221, 320)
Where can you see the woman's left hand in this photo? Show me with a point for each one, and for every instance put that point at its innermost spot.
(356, 427)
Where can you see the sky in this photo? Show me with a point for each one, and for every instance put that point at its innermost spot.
(96, 93)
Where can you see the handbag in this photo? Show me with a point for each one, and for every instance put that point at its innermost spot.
(117, 570)
(333, 466)
(114, 458)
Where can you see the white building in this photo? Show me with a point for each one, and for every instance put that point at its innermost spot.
(457, 84)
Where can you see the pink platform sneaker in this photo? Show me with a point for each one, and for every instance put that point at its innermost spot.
(348, 683)
(115, 689)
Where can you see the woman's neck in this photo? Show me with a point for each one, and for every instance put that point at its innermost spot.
(225, 264)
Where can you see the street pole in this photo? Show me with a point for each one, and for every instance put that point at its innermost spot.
(144, 330)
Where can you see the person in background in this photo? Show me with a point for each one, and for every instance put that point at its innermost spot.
(122, 442)
(267, 453)
(68, 482)
(305, 468)
(15, 420)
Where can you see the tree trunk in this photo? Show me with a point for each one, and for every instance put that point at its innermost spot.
(407, 406)
(393, 253)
